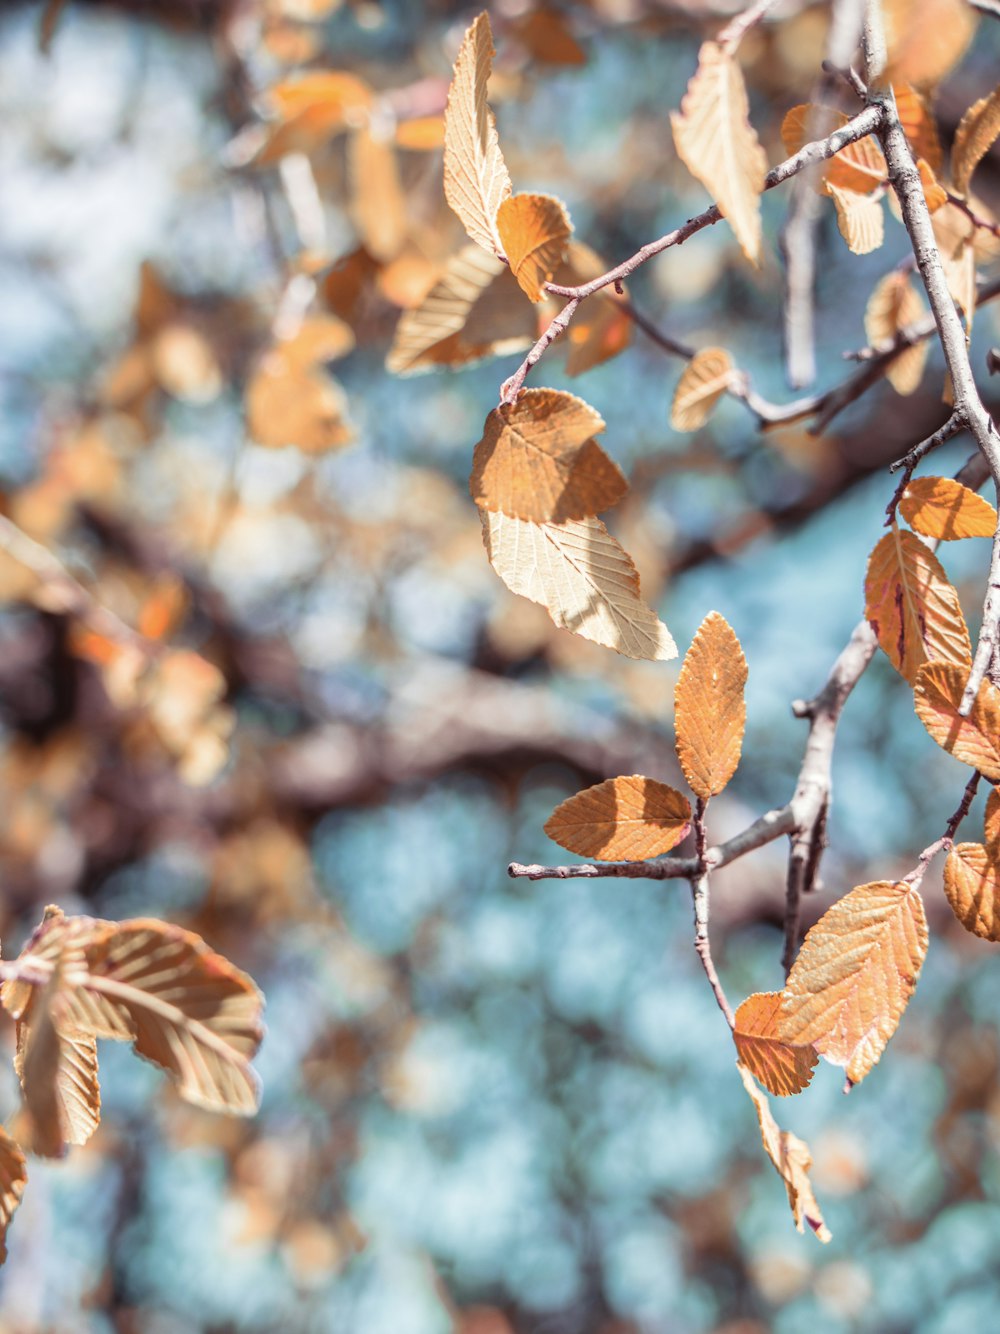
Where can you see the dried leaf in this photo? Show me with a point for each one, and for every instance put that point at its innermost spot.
(13, 1175)
(621, 819)
(476, 181)
(474, 310)
(311, 110)
(534, 233)
(943, 508)
(991, 824)
(780, 1067)
(709, 709)
(790, 1156)
(919, 126)
(913, 608)
(706, 378)
(584, 579)
(935, 195)
(537, 460)
(972, 887)
(719, 146)
(319, 338)
(547, 35)
(286, 405)
(892, 306)
(926, 38)
(855, 973)
(974, 137)
(860, 219)
(378, 204)
(975, 740)
(601, 328)
(859, 166)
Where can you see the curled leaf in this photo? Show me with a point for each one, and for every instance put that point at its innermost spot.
(892, 306)
(534, 233)
(627, 819)
(975, 135)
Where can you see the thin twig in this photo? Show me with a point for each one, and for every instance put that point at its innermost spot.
(977, 220)
(700, 902)
(912, 457)
(946, 840)
(737, 28)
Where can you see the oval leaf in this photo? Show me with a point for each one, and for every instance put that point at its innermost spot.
(709, 709)
(537, 460)
(943, 508)
(582, 577)
(860, 219)
(972, 887)
(855, 974)
(534, 232)
(975, 740)
(719, 146)
(912, 607)
(706, 378)
(859, 166)
(621, 819)
(476, 181)
(892, 306)
(780, 1067)
(975, 134)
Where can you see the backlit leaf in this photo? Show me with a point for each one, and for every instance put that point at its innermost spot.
(926, 38)
(859, 166)
(537, 460)
(975, 740)
(583, 578)
(13, 1175)
(943, 508)
(918, 124)
(534, 233)
(780, 1067)
(860, 219)
(621, 819)
(854, 975)
(601, 328)
(706, 378)
(311, 110)
(935, 195)
(378, 204)
(476, 181)
(422, 134)
(709, 708)
(287, 405)
(912, 607)
(975, 135)
(972, 887)
(892, 306)
(791, 1158)
(319, 338)
(719, 146)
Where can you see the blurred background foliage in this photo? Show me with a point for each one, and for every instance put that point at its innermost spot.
(274, 692)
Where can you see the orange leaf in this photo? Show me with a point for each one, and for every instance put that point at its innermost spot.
(991, 824)
(912, 607)
(934, 193)
(975, 134)
(706, 378)
(972, 887)
(422, 134)
(287, 405)
(537, 460)
(319, 338)
(312, 109)
(600, 329)
(378, 204)
(859, 166)
(918, 124)
(621, 819)
(975, 740)
(709, 709)
(791, 1158)
(780, 1067)
(892, 306)
(534, 232)
(855, 974)
(943, 508)
(926, 38)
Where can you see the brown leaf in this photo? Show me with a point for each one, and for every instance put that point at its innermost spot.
(601, 328)
(859, 166)
(975, 740)
(892, 306)
(287, 405)
(476, 181)
(859, 218)
(991, 824)
(912, 607)
(537, 460)
(548, 37)
(319, 338)
(972, 887)
(534, 232)
(709, 709)
(583, 578)
(855, 973)
(791, 1158)
(621, 819)
(943, 508)
(719, 146)
(780, 1067)
(919, 126)
(13, 1175)
(974, 137)
(706, 378)
(378, 204)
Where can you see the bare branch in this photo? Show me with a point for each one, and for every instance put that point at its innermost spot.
(912, 457)
(737, 28)
(700, 902)
(946, 840)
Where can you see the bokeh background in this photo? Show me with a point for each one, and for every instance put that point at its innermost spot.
(490, 1107)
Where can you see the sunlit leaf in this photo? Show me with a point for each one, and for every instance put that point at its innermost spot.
(974, 137)
(534, 233)
(975, 740)
(991, 824)
(859, 218)
(926, 38)
(892, 306)
(935, 195)
(780, 1067)
(621, 819)
(311, 110)
(378, 204)
(719, 146)
(858, 166)
(705, 379)
(319, 338)
(600, 329)
(943, 508)
(919, 126)
(854, 975)
(476, 181)
(287, 405)
(13, 1175)
(423, 134)
(583, 578)
(972, 887)
(709, 708)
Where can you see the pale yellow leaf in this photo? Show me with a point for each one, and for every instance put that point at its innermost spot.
(584, 579)
(974, 137)
(705, 379)
(378, 204)
(791, 1158)
(854, 975)
(945, 509)
(780, 1067)
(621, 819)
(859, 218)
(13, 1175)
(975, 740)
(534, 233)
(537, 460)
(912, 607)
(709, 707)
(972, 887)
(859, 166)
(892, 307)
(476, 181)
(719, 146)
